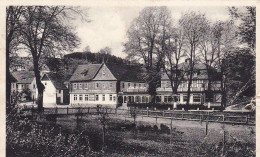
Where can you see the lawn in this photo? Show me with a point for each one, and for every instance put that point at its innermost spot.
(124, 138)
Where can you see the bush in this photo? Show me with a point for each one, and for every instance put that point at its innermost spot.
(25, 137)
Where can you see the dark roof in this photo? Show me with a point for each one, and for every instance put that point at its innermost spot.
(131, 73)
(90, 71)
(56, 79)
(128, 73)
(134, 73)
(25, 77)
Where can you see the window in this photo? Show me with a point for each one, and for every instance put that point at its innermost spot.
(96, 85)
(143, 98)
(22, 85)
(158, 98)
(80, 86)
(129, 85)
(168, 99)
(86, 86)
(144, 85)
(218, 98)
(137, 98)
(59, 91)
(194, 83)
(110, 97)
(86, 97)
(185, 98)
(80, 97)
(123, 85)
(114, 98)
(33, 86)
(140, 85)
(97, 98)
(75, 97)
(103, 73)
(111, 85)
(74, 85)
(196, 97)
(135, 85)
(103, 98)
(103, 86)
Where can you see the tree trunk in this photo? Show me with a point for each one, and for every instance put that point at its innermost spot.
(8, 81)
(40, 86)
(223, 92)
(189, 86)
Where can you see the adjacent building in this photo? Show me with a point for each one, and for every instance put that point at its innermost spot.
(200, 92)
(107, 84)
(55, 91)
(21, 81)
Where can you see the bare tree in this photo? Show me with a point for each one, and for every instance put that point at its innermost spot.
(104, 52)
(208, 51)
(193, 25)
(225, 36)
(45, 32)
(13, 15)
(143, 39)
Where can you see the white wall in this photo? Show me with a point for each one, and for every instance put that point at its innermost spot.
(92, 100)
(49, 94)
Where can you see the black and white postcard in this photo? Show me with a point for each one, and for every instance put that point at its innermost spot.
(129, 78)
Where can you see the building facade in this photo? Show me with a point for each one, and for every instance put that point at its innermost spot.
(106, 84)
(200, 94)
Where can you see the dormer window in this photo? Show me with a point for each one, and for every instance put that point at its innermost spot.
(84, 73)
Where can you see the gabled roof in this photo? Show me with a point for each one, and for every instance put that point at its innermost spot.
(56, 79)
(85, 72)
(130, 73)
(25, 77)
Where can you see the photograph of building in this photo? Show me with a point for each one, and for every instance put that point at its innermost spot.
(128, 78)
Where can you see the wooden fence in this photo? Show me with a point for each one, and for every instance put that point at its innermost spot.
(247, 118)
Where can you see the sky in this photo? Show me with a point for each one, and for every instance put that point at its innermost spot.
(109, 25)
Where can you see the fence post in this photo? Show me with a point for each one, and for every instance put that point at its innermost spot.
(223, 118)
(171, 133)
(163, 114)
(56, 110)
(32, 112)
(207, 127)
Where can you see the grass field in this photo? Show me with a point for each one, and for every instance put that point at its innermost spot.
(150, 138)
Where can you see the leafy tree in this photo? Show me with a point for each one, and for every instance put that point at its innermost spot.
(247, 25)
(44, 31)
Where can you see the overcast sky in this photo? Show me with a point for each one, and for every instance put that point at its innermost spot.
(109, 25)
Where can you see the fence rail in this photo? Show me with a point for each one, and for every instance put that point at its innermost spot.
(247, 118)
